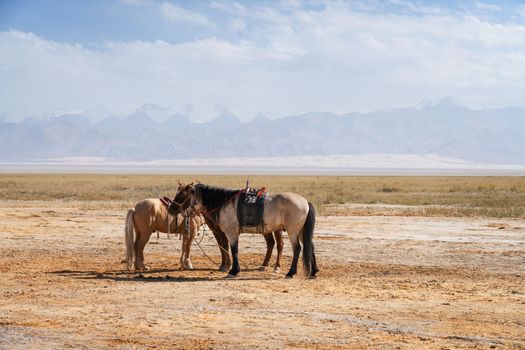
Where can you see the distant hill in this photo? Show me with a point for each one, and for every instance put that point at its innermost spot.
(439, 127)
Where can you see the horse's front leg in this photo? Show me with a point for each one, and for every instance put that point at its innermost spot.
(234, 246)
(270, 242)
(185, 262)
(222, 241)
(187, 241)
(182, 252)
(228, 224)
(190, 238)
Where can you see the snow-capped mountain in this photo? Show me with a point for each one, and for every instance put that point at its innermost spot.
(440, 127)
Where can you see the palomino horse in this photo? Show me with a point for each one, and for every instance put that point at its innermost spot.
(283, 211)
(181, 202)
(150, 215)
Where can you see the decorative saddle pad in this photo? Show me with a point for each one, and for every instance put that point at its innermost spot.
(250, 207)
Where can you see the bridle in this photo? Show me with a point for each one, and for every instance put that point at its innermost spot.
(181, 210)
(181, 204)
(202, 210)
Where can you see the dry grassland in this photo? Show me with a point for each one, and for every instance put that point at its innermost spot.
(334, 195)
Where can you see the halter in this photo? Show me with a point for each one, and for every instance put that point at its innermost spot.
(180, 204)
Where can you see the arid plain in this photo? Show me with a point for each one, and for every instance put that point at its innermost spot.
(406, 262)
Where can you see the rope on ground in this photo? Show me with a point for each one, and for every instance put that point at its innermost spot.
(202, 250)
(221, 248)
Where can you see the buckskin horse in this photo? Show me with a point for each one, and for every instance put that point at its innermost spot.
(150, 215)
(283, 211)
(181, 203)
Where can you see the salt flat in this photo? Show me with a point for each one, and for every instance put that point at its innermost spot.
(359, 164)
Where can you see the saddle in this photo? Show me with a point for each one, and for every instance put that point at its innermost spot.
(250, 208)
(166, 201)
(169, 204)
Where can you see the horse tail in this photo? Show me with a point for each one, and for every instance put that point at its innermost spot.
(309, 261)
(128, 235)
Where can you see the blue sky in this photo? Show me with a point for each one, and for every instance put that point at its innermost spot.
(275, 58)
(96, 21)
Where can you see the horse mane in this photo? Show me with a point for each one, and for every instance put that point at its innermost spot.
(214, 198)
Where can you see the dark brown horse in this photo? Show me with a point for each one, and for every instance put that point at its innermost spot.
(181, 203)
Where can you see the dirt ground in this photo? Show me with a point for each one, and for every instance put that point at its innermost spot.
(384, 282)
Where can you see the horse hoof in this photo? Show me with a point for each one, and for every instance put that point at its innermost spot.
(262, 268)
(223, 268)
(230, 276)
(288, 276)
(277, 270)
(188, 266)
(312, 277)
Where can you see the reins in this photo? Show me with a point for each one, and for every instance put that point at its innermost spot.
(208, 213)
(187, 228)
(202, 250)
(206, 255)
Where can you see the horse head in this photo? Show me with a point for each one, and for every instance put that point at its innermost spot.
(181, 202)
(196, 203)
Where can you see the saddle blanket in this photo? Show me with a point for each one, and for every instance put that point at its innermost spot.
(250, 208)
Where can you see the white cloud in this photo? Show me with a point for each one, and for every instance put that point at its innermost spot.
(171, 13)
(176, 13)
(486, 6)
(334, 59)
(137, 2)
(230, 7)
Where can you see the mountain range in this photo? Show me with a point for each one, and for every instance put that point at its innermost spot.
(440, 127)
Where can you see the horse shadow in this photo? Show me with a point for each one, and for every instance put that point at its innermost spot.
(153, 275)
